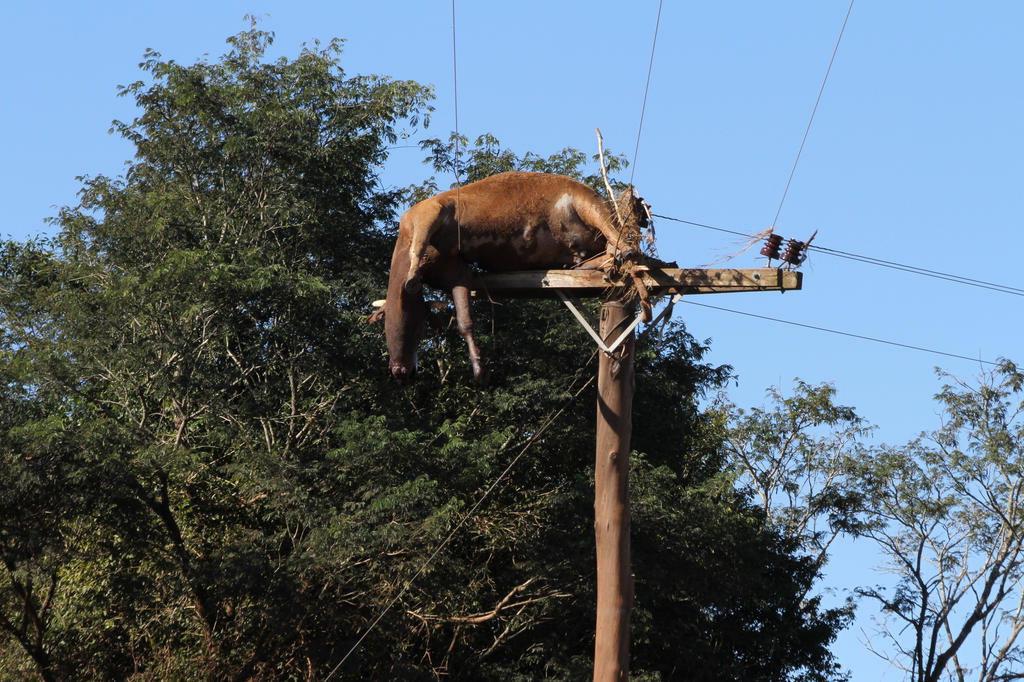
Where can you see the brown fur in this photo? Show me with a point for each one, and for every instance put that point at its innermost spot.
(510, 221)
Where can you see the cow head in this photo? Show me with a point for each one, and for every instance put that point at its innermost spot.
(633, 209)
(405, 313)
(404, 327)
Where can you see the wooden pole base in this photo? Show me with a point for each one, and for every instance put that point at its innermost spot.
(611, 498)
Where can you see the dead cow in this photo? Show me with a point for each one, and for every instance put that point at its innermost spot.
(510, 221)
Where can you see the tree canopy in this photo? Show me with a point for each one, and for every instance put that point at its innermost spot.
(206, 473)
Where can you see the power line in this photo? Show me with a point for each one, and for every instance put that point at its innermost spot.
(842, 333)
(817, 101)
(533, 439)
(871, 260)
(455, 88)
(704, 225)
(647, 87)
(920, 271)
(956, 279)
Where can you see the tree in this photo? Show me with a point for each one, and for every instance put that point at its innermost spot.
(179, 354)
(207, 472)
(946, 511)
(792, 456)
(36, 499)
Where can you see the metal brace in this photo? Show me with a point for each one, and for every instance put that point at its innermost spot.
(590, 330)
(622, 337)
(666, 311)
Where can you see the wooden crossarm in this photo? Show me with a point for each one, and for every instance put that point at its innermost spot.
(584, 283)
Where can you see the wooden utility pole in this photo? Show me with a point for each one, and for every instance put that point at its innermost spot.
(615, 417)
(611, 496)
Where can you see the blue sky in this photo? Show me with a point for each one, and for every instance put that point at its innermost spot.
(916, 154)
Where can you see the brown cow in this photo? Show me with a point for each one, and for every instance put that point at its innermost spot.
(510, 221)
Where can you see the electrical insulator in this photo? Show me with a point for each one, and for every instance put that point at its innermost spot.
(771, 246)
(795, 253)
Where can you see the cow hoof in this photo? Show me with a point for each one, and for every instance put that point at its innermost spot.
(402, 374)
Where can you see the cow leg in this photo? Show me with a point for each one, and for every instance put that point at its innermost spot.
(645, 297)
(464, 318)
(423, 222)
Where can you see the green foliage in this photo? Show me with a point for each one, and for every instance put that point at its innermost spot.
(487, 157)
(791, 456)
(205, 472)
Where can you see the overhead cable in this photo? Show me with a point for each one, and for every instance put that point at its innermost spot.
(647, 87)
(455, 93)
(817, 101)
(871, 260)
(842, 333)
